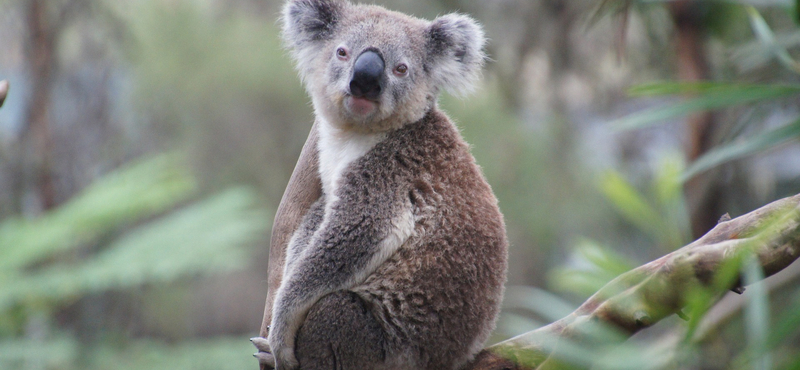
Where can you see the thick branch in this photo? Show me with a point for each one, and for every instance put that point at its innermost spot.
(651, 292)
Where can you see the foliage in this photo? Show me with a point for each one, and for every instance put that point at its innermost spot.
(120, 233)
(145, 354)
(708, 95)
(691, 279)
(660, 214)
(593, 265)
(203, 78)
(713, 95)
(225, 353)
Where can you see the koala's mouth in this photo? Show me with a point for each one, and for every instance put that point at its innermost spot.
(360, 106)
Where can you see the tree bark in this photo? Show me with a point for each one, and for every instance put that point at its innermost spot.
(42, 35)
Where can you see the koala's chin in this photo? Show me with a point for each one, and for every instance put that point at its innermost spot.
(360, 108)
(361, 115)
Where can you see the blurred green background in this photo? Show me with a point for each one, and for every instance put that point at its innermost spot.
(145, 144)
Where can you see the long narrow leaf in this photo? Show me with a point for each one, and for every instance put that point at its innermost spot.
(785, 326)
(767, 37)
(757, 314)
(631, 204)
(736, 150)
(712, 96)
(712, 87)
(755, 54)
(782, 3)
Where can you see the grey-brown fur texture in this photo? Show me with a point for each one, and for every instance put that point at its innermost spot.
(402, 261)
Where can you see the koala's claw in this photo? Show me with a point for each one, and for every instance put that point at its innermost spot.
(264, 354)
(261, 344)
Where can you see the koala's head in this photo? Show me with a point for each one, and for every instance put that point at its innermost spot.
(371, 69)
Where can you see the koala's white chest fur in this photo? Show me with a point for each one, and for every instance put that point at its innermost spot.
(337, 150)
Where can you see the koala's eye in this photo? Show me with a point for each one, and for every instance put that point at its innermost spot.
(341, 53)
(401, 69)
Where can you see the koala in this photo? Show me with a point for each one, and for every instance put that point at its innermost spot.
(401, 262)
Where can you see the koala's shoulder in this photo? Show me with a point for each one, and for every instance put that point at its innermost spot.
(433, 144)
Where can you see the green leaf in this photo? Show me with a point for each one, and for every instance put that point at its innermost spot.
(786, 325)
(668, 190)
(547, 305)
(711, 87)
(767, 37)
(217, 353)
(755, 54)
(604, 258)
(630, 203)
(206, 237)
(594, 266)
(782, 3)
(711, 95)
(61, 350)
(129, 194)
(757, 314)
(739, 149)
(796, 12)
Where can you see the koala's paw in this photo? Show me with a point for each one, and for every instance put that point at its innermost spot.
(264, 354)
(285, 359)
(282, 352)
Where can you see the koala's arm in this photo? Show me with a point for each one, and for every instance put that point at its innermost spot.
(346, 249)
(305, 232)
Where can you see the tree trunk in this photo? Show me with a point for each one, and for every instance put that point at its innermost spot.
(41, 56)
(703, 192)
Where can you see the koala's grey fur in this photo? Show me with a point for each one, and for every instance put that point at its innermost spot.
(401, 263)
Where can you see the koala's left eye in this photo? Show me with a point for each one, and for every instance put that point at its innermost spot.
(341, 53)
(401, 70)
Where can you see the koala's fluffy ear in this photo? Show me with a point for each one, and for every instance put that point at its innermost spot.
(456, 52)
(307, 23)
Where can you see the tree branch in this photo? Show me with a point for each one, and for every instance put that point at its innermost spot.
(642, 297)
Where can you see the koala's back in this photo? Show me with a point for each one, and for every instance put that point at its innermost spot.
(442, 288)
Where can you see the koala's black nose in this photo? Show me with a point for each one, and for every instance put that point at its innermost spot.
(367, 75)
